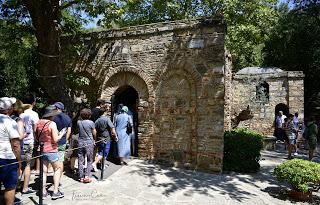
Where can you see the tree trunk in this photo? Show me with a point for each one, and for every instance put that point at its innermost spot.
(45, 15)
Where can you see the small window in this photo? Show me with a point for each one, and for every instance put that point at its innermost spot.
(262, 93)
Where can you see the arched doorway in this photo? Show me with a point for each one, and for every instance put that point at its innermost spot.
(129, 97)
(279, 107)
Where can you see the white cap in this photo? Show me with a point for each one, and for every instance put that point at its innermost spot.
(6, 103)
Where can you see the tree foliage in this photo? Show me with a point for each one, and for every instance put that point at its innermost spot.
(18, 61)
(295, 45)
(259, 32)
(49, 20)
(249, 22)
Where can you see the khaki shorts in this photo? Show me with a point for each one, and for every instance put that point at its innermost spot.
(27, 150)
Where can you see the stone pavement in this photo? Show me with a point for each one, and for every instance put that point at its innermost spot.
(146, 183)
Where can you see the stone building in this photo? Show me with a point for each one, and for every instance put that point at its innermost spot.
(266, 91)
(176, 78)
(171, 75)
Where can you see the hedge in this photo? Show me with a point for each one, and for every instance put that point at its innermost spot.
(242, 150)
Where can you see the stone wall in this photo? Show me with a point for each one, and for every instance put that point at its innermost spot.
(177, 68)
(284, 88)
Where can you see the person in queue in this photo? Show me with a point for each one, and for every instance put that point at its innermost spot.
(10, 157)
(86, 142)
(64, 124)
(47, 133)
(122, 121)
(105, 129)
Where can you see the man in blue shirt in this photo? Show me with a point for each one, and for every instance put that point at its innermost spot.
(64, 124)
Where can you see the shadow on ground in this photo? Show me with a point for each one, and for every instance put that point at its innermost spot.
(239, 187)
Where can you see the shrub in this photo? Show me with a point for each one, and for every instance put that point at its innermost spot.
(242, 150)
(300, 174)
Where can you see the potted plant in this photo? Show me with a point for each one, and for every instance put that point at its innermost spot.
(303, 176)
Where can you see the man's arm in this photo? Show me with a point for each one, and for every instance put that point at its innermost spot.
(68, 134)
(114, 134)
(112, 130)
(94, 134)
(15, 145)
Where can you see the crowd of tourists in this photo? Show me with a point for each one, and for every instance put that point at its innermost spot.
(290, 130)
(23, 133)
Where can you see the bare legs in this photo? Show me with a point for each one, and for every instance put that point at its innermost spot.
(311, 151)
(290, 149)
(96, 161)
(56, 175)
(9, 195)
(26, 180)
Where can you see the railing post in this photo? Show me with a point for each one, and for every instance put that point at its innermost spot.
(41, 175)
(103, 158)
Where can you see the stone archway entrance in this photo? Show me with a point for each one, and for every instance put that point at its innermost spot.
(129, 97)
(134, 91)
(279, 107)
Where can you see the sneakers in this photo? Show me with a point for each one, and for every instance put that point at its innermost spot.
(17, 201)
(295, 154)
(30, 191)
(45, 195)
(57, 195)
(94, 167)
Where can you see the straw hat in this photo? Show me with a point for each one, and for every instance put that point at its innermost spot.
(20, 107)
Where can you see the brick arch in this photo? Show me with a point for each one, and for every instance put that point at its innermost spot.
(175, 64)
(137, 72)
(188, 72)
(121, 78)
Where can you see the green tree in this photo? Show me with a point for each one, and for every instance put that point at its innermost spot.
(17, 59)
(249, 22)
(295, 45)
(49, 20)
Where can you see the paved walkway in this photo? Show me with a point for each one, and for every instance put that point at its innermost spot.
(145, 183)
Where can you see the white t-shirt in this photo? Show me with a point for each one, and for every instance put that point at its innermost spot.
(280, 121)
(8, 131)
(30, 119)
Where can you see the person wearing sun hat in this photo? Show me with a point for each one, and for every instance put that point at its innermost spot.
(47, 132)
(9, 150)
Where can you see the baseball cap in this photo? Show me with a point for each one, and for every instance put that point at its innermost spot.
(6, 103)
(59, 105)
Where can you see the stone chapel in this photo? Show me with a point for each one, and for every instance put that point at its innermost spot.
(176, 78)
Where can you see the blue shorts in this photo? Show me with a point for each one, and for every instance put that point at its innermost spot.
(9, 174)
(292, 141)
(51, 156)
(100, 148)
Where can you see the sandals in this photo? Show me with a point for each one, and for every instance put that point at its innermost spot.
(85, 180)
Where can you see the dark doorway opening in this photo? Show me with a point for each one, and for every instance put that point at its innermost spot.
(129, 97)
(280, 107)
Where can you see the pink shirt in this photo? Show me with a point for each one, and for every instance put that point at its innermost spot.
(49, 144)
